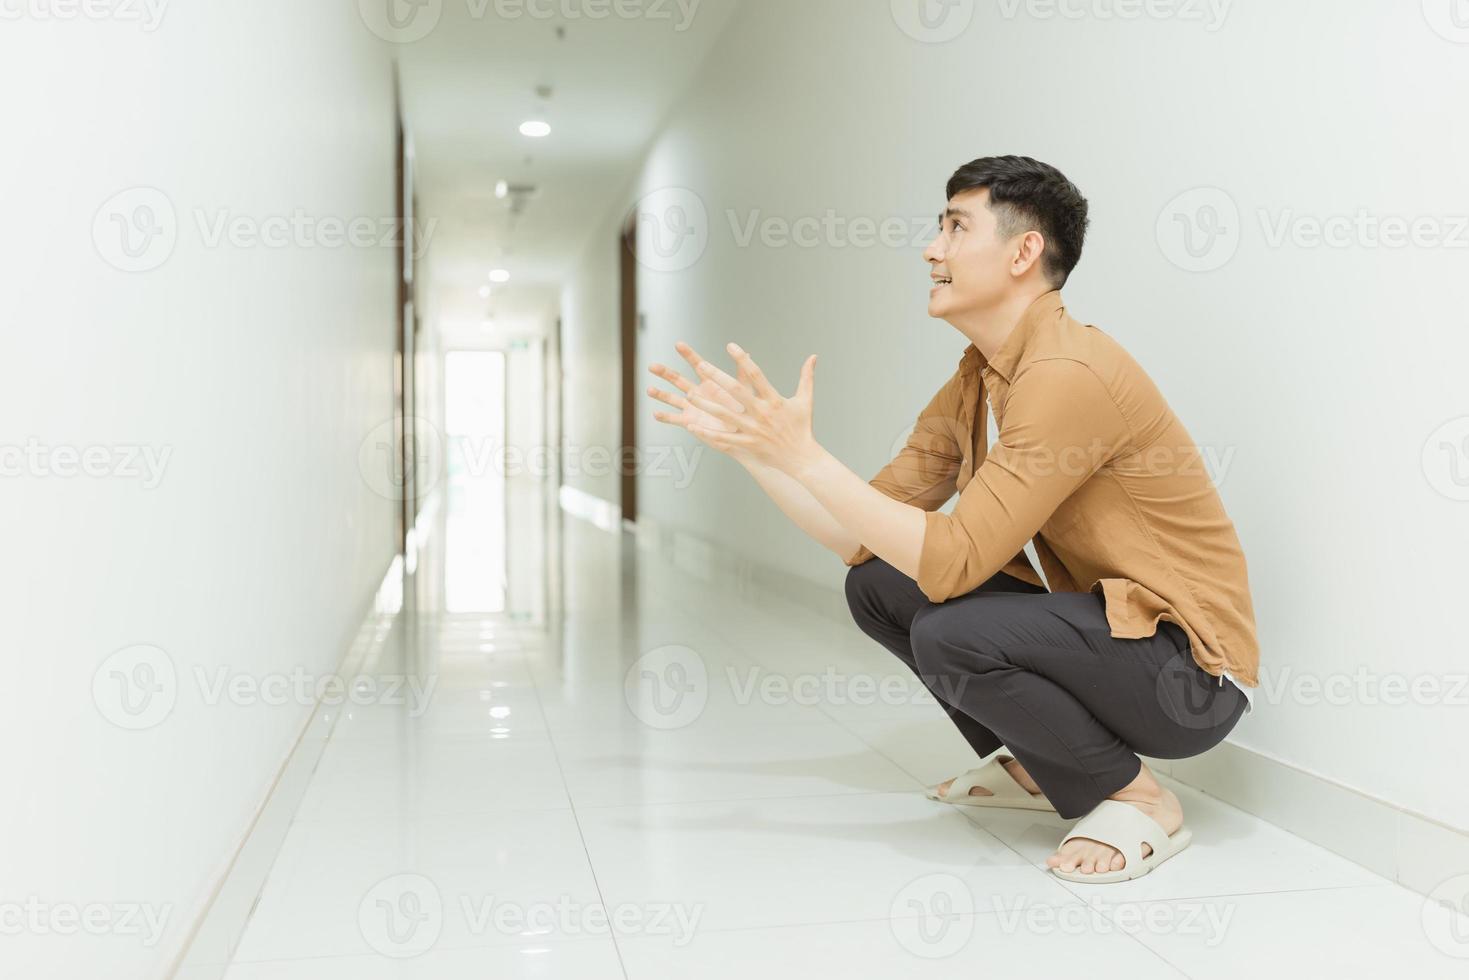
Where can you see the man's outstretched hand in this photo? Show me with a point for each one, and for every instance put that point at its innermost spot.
(687, 415)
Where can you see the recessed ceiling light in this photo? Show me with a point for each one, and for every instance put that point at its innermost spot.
(484, 292)
(535, 128)
(502, 188)
(499, 275)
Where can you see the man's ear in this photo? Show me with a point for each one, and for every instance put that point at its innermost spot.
(1032, 245)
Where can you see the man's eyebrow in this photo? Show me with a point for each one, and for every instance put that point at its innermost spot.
(953, 213)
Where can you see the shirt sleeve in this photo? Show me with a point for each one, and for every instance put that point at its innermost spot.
(1060, 426)
(925, 471)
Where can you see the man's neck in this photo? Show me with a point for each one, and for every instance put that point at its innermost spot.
(989, 329)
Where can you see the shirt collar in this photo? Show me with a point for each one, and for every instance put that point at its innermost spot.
(1007, 358)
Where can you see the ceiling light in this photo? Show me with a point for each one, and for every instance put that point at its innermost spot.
(502, 188)
(499, 275)
(484, 292)
(535, 128)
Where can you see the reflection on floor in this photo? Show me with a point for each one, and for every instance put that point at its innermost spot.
(620, 772)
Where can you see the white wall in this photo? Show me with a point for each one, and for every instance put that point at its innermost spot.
(259, 370)
(591, 361)
(1315, 374)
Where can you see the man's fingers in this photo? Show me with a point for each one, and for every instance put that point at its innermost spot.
(739, 392)
(751, 370)
(808, 377)
(718, 411)
(666, 397)
(689, 354)
(671, 376)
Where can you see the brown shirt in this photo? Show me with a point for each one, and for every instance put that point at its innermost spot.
(1093, 466)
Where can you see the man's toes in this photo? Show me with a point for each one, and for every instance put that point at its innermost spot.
(1117, 862)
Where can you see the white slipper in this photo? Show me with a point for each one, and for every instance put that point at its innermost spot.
(1126, 828)
(1004, 790)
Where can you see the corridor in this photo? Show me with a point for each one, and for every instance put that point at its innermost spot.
(658, 778)
(435, 433)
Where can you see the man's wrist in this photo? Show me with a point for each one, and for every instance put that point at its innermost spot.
(807, 464)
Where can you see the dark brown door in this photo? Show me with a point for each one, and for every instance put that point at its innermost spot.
(627, 454)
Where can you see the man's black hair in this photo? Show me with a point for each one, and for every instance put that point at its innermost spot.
(1026, 194)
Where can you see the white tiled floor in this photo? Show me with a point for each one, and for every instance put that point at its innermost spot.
(730, 826)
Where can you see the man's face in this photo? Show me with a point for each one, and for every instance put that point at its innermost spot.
(969, 254)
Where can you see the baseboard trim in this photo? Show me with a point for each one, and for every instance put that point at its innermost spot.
(216, 933)
(1400, 844)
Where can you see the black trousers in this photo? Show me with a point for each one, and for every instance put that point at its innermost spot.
(1040, 673)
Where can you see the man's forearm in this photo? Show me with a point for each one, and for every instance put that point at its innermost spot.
(804, 510)
(891, 529)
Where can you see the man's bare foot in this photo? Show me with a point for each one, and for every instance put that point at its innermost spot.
(1016, 771)
(1148, 795)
